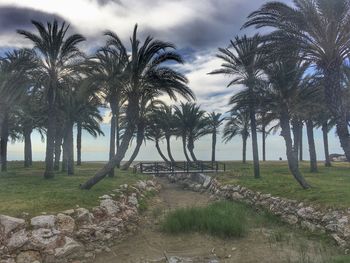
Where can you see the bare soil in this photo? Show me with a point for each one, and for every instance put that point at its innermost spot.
(263, 245)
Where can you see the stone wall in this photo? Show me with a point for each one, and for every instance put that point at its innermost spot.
(334, 222)
(75, 235)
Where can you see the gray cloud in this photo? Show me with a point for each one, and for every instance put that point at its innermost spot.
(13, 18)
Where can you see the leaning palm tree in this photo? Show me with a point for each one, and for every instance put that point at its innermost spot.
(105, 71)
(320, 29)
(215, 120)
(238, 123)
(282, 96)
(147, 70)
(166, 122)
(192, 125)
(244, 63)
(58, 54)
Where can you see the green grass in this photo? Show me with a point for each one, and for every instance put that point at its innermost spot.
(25, 189)
(224, 219)
(330, 186)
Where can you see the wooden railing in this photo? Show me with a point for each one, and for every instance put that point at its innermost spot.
(179, 167)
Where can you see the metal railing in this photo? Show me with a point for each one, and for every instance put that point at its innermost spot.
(179, 167)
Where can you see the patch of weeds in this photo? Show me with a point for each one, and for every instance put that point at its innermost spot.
(143, 202)
(341, 259)
(278, 236)
(223, 219)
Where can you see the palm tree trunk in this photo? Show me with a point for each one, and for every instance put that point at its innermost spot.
(213, 146)
(117, 128)
(301, 142)
(325, 144)
(70, 149)
(112, 140)
(65, 154)
(292, 156)
(244, 151)
(333, 95)
(139, 140)
(190, 147)
(312, 149)
(132, 114)
(296, 123)
(254, 140)
(27, 146)
(79, 132)
(3, 142)
(184, 148)
(167, 138)
(264, 142)
(58, 149)
(50, 135)
(160, 152)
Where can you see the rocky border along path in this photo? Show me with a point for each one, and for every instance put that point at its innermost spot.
(75, 235)
(335, 223)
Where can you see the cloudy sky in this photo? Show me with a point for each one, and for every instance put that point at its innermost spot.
(197, 27)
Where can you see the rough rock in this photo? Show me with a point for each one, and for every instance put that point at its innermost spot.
(65, 223)
(45, 221)
(9, 224)
(70, 247)
(111, 206)
(339, 241)
(44, 238)
(29, 256)
(18, 239)
(105, 197)
(83, 216)
(132, 199)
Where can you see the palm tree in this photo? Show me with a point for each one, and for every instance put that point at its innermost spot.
(282, 97)
(15, 71)
(105, 70)
(192, 124)
(147, 70)
(147, 107)
(57, 54)
(215, 120)
(264, 119)
(238, 123)
(320, 29)
(166, 122)
(244, 63)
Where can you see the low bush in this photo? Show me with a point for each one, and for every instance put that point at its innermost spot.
(223, 219)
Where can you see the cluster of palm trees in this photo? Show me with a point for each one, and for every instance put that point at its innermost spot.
(295, 75)
(54, 87)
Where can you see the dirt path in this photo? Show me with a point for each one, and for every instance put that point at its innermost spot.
(149, 244)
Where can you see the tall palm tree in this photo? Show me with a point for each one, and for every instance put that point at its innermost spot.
(282, 97)
(57, 54)
(192, 124)
(147, 70)
(238, 123)
(321, 30)
(105, 71)
(244, 63)
(15, 71)
(215, 120)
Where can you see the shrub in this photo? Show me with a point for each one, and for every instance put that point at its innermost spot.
(223, 219)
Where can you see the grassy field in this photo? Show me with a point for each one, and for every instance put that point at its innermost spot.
(330, 186)
(25, 190)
